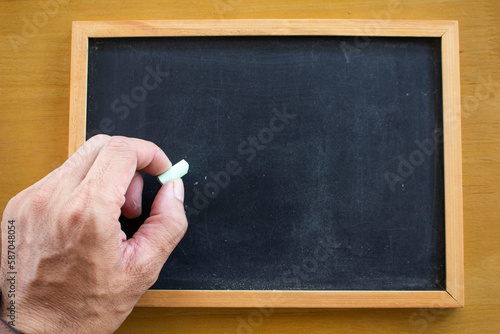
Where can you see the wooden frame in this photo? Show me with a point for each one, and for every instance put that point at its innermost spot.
(446, 30)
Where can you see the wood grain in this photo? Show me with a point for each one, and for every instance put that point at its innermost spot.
(299, 299)
(452, 141)
(78, 89)
(239, 27)
(34, 104)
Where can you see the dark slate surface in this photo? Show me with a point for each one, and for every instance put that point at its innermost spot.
(333, 144)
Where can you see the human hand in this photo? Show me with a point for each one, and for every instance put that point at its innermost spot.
(76, 270)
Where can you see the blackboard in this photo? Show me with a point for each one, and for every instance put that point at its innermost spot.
(319, 159)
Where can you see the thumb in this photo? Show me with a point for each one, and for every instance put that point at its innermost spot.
(157, 237)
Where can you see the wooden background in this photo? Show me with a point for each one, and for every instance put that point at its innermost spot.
(35, 55)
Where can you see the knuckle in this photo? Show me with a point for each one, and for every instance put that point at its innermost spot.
(76, 210)
(72, 163)
(16, 201)
(41, 199)
(118, 142)
(182, 225)
(77, 158)
(120, 147)
(98, 139)
(91, 145)
(31, 203)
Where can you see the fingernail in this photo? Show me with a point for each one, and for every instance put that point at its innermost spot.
(178, 190)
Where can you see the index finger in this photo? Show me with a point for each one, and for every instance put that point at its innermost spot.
(116, 164)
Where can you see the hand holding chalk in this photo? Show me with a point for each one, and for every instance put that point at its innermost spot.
(79, 219)
(175, 172)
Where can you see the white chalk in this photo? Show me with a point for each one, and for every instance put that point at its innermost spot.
(175, 172)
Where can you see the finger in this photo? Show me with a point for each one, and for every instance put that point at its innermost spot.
(80, 162)
(133, 198)
(72, 171)
(115, 166)
(161, 232)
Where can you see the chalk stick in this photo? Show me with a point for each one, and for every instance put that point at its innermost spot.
(175, 172)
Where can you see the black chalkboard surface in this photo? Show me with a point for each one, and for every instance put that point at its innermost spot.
(316, 162)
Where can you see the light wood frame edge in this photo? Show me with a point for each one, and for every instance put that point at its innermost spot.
(297, 299)
(447, 30)
(78, 87)
(452, 139)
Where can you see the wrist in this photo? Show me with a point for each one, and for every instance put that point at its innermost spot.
(22, 322)
(6, 326)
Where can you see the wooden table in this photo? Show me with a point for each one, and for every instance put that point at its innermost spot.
(34, 100)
